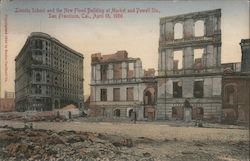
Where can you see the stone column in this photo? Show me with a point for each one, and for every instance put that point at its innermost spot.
(169, 59)
(188, 58)
(110, 72)
(98, 72)
(138, 69)
(188, 28)
(169, 31)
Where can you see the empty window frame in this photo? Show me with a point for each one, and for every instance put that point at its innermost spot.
(130, 71)
(103, 94)
(177, 89)
(104, 69)
(116, 94)
(178, 60)
(130, 94)
(198, 89)
(178, 31)
(198, 57)
(199, 28)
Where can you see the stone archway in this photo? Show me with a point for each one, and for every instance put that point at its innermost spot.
(129, 112)
(149, 96)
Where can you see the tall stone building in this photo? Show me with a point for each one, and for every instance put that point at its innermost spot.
(189, 77)
(48, 74)
(119, 86)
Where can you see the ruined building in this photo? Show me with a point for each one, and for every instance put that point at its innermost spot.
(48, 74)
(120, 86)
(189, 77)
(236, 87)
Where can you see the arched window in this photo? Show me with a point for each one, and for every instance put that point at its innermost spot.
(178, 31)
(199, 28)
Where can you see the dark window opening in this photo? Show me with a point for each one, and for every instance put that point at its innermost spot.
(130, 112)
(39, 44)
(38, 89)
(148, 98)
(177, 89)
(104, 69)
(38, 77)
(103, 94)
(198, 89)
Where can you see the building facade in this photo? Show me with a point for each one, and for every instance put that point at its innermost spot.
(48, 74)
(190, 66)
(236, 88)
(119, 86)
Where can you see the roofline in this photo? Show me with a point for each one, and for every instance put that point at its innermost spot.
(48, 37)
(199, 13)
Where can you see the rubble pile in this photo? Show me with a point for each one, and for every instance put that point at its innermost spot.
(35, 117)
(29, 144)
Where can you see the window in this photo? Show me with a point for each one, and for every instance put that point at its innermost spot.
(198, 55)
(130, 71)
(199, 28)
(148, 98)
(48, 78)
(104, 69)
(39, 44)
(130, 94)
(103, 94)
(178, 57)
(178, 31)
(198, 89)
(117, 71)
(56, 80)
(177, 89)
(38, 77)
(38, 89)
(116, 94)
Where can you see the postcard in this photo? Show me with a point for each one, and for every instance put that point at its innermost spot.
(124, 80)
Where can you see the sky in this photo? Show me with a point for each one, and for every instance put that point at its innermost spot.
(137, 33)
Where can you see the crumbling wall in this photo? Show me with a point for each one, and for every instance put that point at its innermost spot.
(206, 68)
